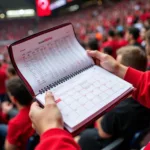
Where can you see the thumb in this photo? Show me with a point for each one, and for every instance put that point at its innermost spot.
(49, 99)
(97, 54)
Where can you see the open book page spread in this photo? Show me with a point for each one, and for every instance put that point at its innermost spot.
(86, 94)
(47, 58)
(56, 61)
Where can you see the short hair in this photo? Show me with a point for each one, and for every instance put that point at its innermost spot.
(133, 56)
(135, 32)
(111, 33)
(93, 44)
(17, 89)
(11, 70)
(120, 34)
(108, 50)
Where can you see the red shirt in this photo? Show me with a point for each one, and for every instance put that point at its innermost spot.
(147, 15)
(143, 17)
(139, 40)
(3, 78)
(147, 147)
(122, 43)
(113, 44)
(20, 129)
(4, 66)
(129, 20)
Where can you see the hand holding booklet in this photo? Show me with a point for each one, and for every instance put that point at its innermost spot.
(54, 60)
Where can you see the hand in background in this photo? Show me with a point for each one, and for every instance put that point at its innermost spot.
(108, 63)
(46, 118)
(6, 107)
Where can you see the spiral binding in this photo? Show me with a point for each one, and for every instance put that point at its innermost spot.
(64, 79)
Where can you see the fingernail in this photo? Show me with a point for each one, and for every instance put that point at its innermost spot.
(48, 93)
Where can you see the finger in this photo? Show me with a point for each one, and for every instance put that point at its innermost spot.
(34, 109)
(35, 105)
(96, 54)
(49, 98)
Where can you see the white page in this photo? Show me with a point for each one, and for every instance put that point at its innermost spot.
(86, 94)
(49, 57)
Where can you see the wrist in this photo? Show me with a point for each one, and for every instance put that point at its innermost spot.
(120, 70)
(51, 126)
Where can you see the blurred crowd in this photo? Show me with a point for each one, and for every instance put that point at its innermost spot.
(15, 29)
(121, 30)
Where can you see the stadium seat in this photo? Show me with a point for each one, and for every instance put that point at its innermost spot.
(138, 138)
(32, 142)
(115, 145)
(134, 143)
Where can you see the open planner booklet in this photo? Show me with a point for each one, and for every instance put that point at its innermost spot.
(54, 60)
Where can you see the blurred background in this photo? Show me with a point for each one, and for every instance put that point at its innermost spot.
(104, 25)
(91, 18)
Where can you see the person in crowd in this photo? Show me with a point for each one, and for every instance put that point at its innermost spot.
(19, 128)
(143, 15)
(4, 62)
(121, 39)
(132, 36)
(111, 42)
(142, 36)
(8, 109)
(147, 42)
(50, 128)
(129, 19)
(11, 72)
(3, 78)
(119, 121)
(5, 111)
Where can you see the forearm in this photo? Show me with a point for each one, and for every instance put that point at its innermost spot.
(120, 70)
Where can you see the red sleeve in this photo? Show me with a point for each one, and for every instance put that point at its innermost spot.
(147, 147)
(57, 139)
(141, 82)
